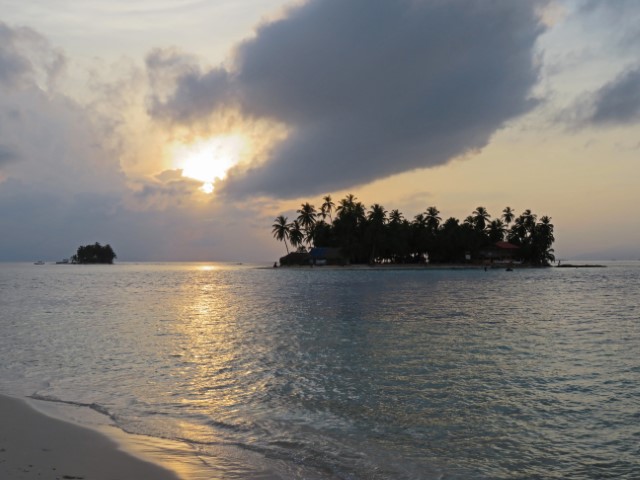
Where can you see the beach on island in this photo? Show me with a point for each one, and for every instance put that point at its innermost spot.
(36, 446)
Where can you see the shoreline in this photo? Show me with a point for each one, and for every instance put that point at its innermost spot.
(34, 445)
(421, 267)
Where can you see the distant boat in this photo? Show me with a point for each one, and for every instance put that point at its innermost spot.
(39, 262)
(64, 261)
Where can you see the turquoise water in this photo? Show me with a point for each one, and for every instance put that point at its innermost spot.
(336, 373)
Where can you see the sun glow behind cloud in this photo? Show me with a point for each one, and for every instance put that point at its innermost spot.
(209, 159)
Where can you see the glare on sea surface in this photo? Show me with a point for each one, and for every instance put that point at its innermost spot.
(207, 268)
(209, 159)
(205, 326)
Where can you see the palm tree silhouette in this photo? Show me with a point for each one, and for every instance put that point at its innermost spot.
(542, 240)
(529, 220)
(296, 235)
(497, 230)
(480, 218)
(281, 230)
(327, 207)
(307, 220)
(433, 219)
(373, 235)
(395, 217)
(346, 206)
(377, 218)
(508, 215)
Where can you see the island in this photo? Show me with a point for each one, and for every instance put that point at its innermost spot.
(347, 233)
(95, 253)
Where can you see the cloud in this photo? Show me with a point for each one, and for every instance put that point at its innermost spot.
(58, 144)
(61, 179)
(366, 89)
(62, 183)
(168, 188)
(13, 66)
(618, 102)
(7, 155)
(193, 98)
(26, 57)
(50, 225)
(42, 132)
(595, 49)
(621, 13)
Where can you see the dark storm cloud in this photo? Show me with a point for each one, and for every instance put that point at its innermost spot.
(196, 93)
(619, 101)
(369, 89)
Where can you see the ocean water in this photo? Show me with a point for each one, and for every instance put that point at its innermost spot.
(338, 373)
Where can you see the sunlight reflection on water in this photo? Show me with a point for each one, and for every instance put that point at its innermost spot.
(338, 373)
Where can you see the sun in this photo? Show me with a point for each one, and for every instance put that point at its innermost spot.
(209, 159)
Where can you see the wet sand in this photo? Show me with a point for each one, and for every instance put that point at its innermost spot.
(36, 446)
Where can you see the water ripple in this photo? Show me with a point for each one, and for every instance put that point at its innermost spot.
(342, 374)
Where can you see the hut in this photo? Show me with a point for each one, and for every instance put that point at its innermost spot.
(500, 252)
(327, 256)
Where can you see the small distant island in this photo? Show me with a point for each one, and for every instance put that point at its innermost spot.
(95, 253)
(376, 237)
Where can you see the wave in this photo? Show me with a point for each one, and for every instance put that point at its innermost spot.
(96, 407)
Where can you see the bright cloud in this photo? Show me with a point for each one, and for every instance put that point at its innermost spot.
(62, 181)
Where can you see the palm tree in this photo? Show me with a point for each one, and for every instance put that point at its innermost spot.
(546, 221)
(480, 218)
(449, 245)
(359, 213)
(518, 231)
(508, 215)
(419, 237)
(281, 230)
(398, 236)
(296, 235)
(541, 242)
(497, 230)
(327, 207)
(307, 219)
(420, 221)
(433, 219)
(395, 217)
(346, 205)
(377, 217)
(307, 215)
(349, 218)
(529, 220)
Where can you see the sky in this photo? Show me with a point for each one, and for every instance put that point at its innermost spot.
(179, 129)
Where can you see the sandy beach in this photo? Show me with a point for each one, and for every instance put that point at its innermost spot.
(35, 446)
